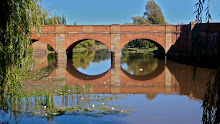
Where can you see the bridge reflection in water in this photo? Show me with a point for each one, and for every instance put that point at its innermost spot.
(167, 78)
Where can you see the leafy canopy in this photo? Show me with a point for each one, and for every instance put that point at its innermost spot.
(16, 19)
(153, 15)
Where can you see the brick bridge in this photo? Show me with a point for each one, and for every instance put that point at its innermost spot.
(170, 39)
(63, 37)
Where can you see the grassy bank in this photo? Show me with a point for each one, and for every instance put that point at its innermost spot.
(96, 47)
(139, 50)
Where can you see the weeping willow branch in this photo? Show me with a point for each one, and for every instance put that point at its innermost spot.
(17, 18)
(200, 5)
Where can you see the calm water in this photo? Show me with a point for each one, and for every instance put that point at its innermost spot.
(144, 89)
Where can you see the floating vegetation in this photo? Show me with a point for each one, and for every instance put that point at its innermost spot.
(95, 110)
(67, 100)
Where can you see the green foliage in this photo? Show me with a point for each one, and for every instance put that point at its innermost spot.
(84, 53)
(54, 20)
(151, 96)
(102, 55)
(51, 58)
(153, 15)
(86, 44)
(50, 48)
(43, 103)
(83, 59)
(140, 21)
(17, 18)
(140, 43)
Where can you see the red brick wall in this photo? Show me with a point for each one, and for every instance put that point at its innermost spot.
(180, 34)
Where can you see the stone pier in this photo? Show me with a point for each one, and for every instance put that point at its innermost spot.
(61, 55)
(116, 60)
(61, 72)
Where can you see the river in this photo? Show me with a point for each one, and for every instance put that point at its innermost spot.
(89, 89)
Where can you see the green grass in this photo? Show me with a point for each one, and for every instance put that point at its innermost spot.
(140, 50)
(79, 49)
(99, 47)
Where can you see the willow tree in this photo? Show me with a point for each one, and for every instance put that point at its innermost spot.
(17, 18)
(200, 5)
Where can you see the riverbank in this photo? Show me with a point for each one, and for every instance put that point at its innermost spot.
(96, 47)
(139, 50)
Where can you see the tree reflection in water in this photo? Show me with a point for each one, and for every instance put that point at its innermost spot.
(49, 103)
(83, 59)
(139, 63)
(211, 103)
(58, 100)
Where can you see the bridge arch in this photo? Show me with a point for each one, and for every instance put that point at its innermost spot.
(51, 43)
(71, 40)
(41, 46)
(161, 49)
(158, 39)
(74, 43)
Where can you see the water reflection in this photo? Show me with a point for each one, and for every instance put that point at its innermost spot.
(139, 63)
(159, 88)
(173, 76)
(88, 61)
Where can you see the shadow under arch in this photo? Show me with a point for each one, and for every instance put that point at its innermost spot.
(74, 72)
(152, 75)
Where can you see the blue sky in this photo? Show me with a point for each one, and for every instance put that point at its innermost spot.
(107, 12)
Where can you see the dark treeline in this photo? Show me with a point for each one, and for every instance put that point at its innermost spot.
(86, 44)
(102, 55)
(140, 43)
(54, 20)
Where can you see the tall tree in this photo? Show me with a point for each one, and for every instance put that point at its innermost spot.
(154, 13)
